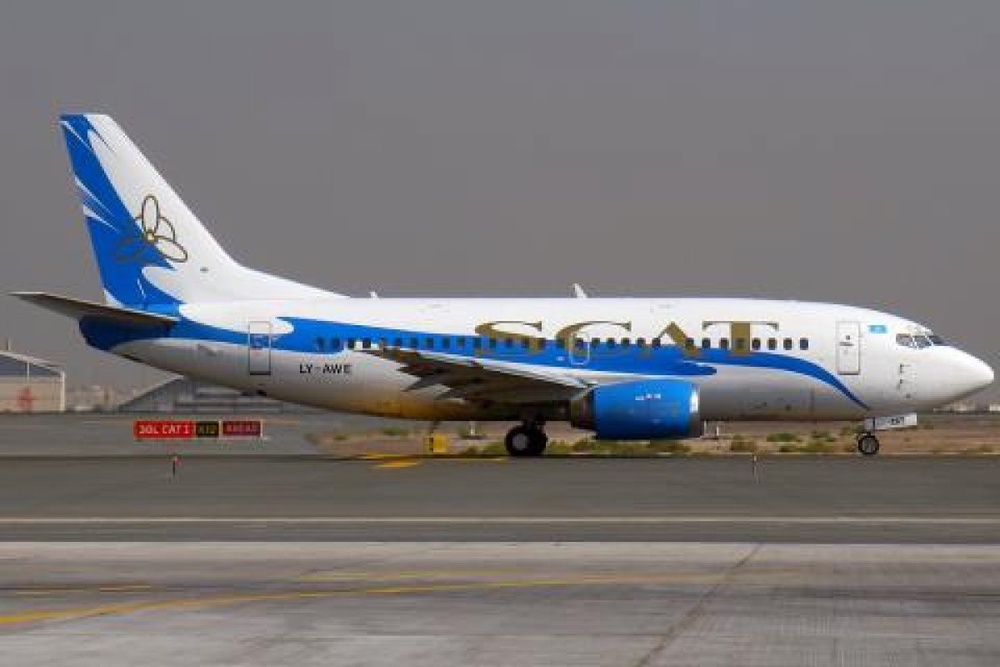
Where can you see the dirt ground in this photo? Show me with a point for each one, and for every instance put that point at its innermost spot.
(936, 434)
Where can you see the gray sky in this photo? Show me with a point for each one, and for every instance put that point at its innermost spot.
(841, 151)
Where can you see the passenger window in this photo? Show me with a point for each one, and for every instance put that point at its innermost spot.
(414, 343)
(706, 343)
(398, 342)
(741, 343)
(611, 343)
(321, 344)
(561, 343)
(445, 343)
(787, 344)
(493, 343)
(772, 343)
(334, 343)
(689, 343)
(640, 342)
(350, 343)
(626, 342)
(657, 342)
(755, 344)
(526, 343)
(429, 343)
(477, 343)
(803, 343)
(723, 343)
(508, 343)
(461, 342)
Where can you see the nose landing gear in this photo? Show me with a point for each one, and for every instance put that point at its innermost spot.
(528, 439)
(867, 444)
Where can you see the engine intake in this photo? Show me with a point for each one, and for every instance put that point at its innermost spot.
(640, 410)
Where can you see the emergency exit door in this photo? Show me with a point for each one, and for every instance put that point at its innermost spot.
(259, 348)
(848, 348)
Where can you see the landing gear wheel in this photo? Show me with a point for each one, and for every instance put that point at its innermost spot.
(526, 441)
(868, 444)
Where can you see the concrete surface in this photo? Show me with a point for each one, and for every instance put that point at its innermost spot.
(794, 499)
(281, 557)
(498, 604)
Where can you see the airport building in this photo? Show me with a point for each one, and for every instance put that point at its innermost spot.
(184, 395)
(29, 384)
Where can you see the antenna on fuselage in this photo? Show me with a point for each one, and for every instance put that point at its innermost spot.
(578, 291)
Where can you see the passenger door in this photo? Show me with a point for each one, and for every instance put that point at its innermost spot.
(848, 348)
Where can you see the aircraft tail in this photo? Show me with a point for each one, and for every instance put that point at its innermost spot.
(151, 250)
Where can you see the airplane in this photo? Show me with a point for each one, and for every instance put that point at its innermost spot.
(624, 368)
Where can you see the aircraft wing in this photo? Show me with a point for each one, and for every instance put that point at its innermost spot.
(481, 379)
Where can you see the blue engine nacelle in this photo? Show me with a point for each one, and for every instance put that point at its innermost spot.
(640, 410)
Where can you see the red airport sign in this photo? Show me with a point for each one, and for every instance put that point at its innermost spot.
(175, 429)
(163, 429)
(242, 428)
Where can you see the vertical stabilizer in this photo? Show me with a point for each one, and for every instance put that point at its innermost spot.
(151, 250)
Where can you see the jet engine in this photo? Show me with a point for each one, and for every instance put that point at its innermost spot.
(639, 410)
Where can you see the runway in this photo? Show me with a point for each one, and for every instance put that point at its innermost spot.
(306, 560)
(786, 499)
(490, 604)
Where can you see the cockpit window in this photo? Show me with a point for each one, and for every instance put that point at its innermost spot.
(919, 341)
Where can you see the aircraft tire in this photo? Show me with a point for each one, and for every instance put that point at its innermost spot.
(868, 444)
(525, 441)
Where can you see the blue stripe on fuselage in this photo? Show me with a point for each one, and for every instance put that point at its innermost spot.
(306, 335)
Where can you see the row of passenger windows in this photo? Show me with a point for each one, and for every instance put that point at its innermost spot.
(478, 343)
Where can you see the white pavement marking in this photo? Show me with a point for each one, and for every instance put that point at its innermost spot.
(498, 520)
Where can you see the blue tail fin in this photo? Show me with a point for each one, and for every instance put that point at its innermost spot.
(151, 250)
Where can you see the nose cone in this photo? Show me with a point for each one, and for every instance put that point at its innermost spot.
(980, 374)
(950, 375)
(970, 375)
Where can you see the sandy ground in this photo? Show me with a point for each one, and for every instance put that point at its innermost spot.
(332, 434)
(935, 434)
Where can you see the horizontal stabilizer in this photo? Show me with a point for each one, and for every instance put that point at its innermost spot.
(79, 308)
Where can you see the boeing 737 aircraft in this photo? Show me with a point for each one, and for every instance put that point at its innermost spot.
(626, 368)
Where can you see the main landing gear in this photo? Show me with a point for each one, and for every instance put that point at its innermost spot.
(528, 439)
(867, 444)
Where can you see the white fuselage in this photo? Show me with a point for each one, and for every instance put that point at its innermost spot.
(750, 358)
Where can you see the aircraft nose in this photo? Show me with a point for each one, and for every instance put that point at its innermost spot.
(973, 374)
(981, 374)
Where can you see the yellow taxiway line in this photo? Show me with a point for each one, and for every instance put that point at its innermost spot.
(77, 613)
